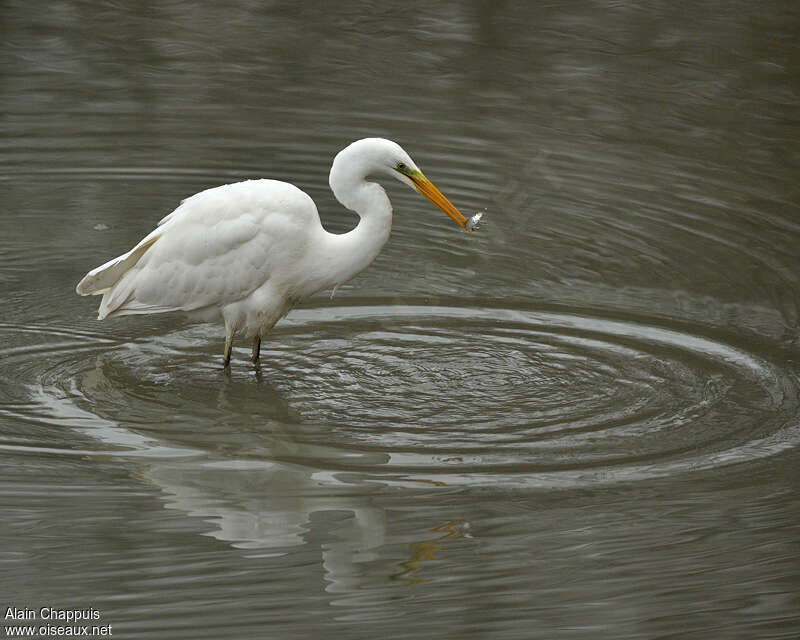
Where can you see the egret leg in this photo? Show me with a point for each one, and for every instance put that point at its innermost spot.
(256, 348)
(226, 354)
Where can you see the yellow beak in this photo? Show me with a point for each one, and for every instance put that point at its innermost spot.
(426, 188)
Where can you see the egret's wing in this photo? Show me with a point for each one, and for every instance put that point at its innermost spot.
(193, 267)
(216, 248)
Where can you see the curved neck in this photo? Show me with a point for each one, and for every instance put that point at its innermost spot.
(347, 254)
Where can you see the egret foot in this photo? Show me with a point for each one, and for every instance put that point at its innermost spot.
(256, 349)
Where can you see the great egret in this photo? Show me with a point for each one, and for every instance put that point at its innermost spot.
(248, 252)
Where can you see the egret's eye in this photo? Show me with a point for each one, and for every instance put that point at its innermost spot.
(401, 166)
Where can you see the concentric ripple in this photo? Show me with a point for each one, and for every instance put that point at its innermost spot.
(452, 395)
(537, 396)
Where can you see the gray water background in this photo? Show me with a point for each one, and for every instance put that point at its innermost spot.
(582, 421)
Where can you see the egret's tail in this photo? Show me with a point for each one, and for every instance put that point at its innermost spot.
(101, 280)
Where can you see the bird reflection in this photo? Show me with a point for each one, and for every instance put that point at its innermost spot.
(265, 488)
(426, 550)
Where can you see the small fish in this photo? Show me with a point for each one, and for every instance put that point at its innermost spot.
(472, 223)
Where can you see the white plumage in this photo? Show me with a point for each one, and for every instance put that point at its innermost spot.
(247, 252)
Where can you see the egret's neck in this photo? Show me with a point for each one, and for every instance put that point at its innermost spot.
(347, 254)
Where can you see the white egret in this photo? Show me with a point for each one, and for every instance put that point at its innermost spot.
(248, 252)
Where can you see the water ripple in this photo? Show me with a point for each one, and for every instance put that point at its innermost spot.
(408, 393)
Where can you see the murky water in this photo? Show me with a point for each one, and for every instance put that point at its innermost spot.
(581, 422)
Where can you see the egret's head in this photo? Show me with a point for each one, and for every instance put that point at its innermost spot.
(407, 172)
(381, 156)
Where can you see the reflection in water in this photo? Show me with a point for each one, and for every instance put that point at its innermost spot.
(253, 505)
(269, 508)
(265, 506)
(426, 550)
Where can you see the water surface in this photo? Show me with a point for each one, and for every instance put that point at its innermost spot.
(582, 421)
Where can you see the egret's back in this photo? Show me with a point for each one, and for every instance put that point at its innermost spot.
(216, 249)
